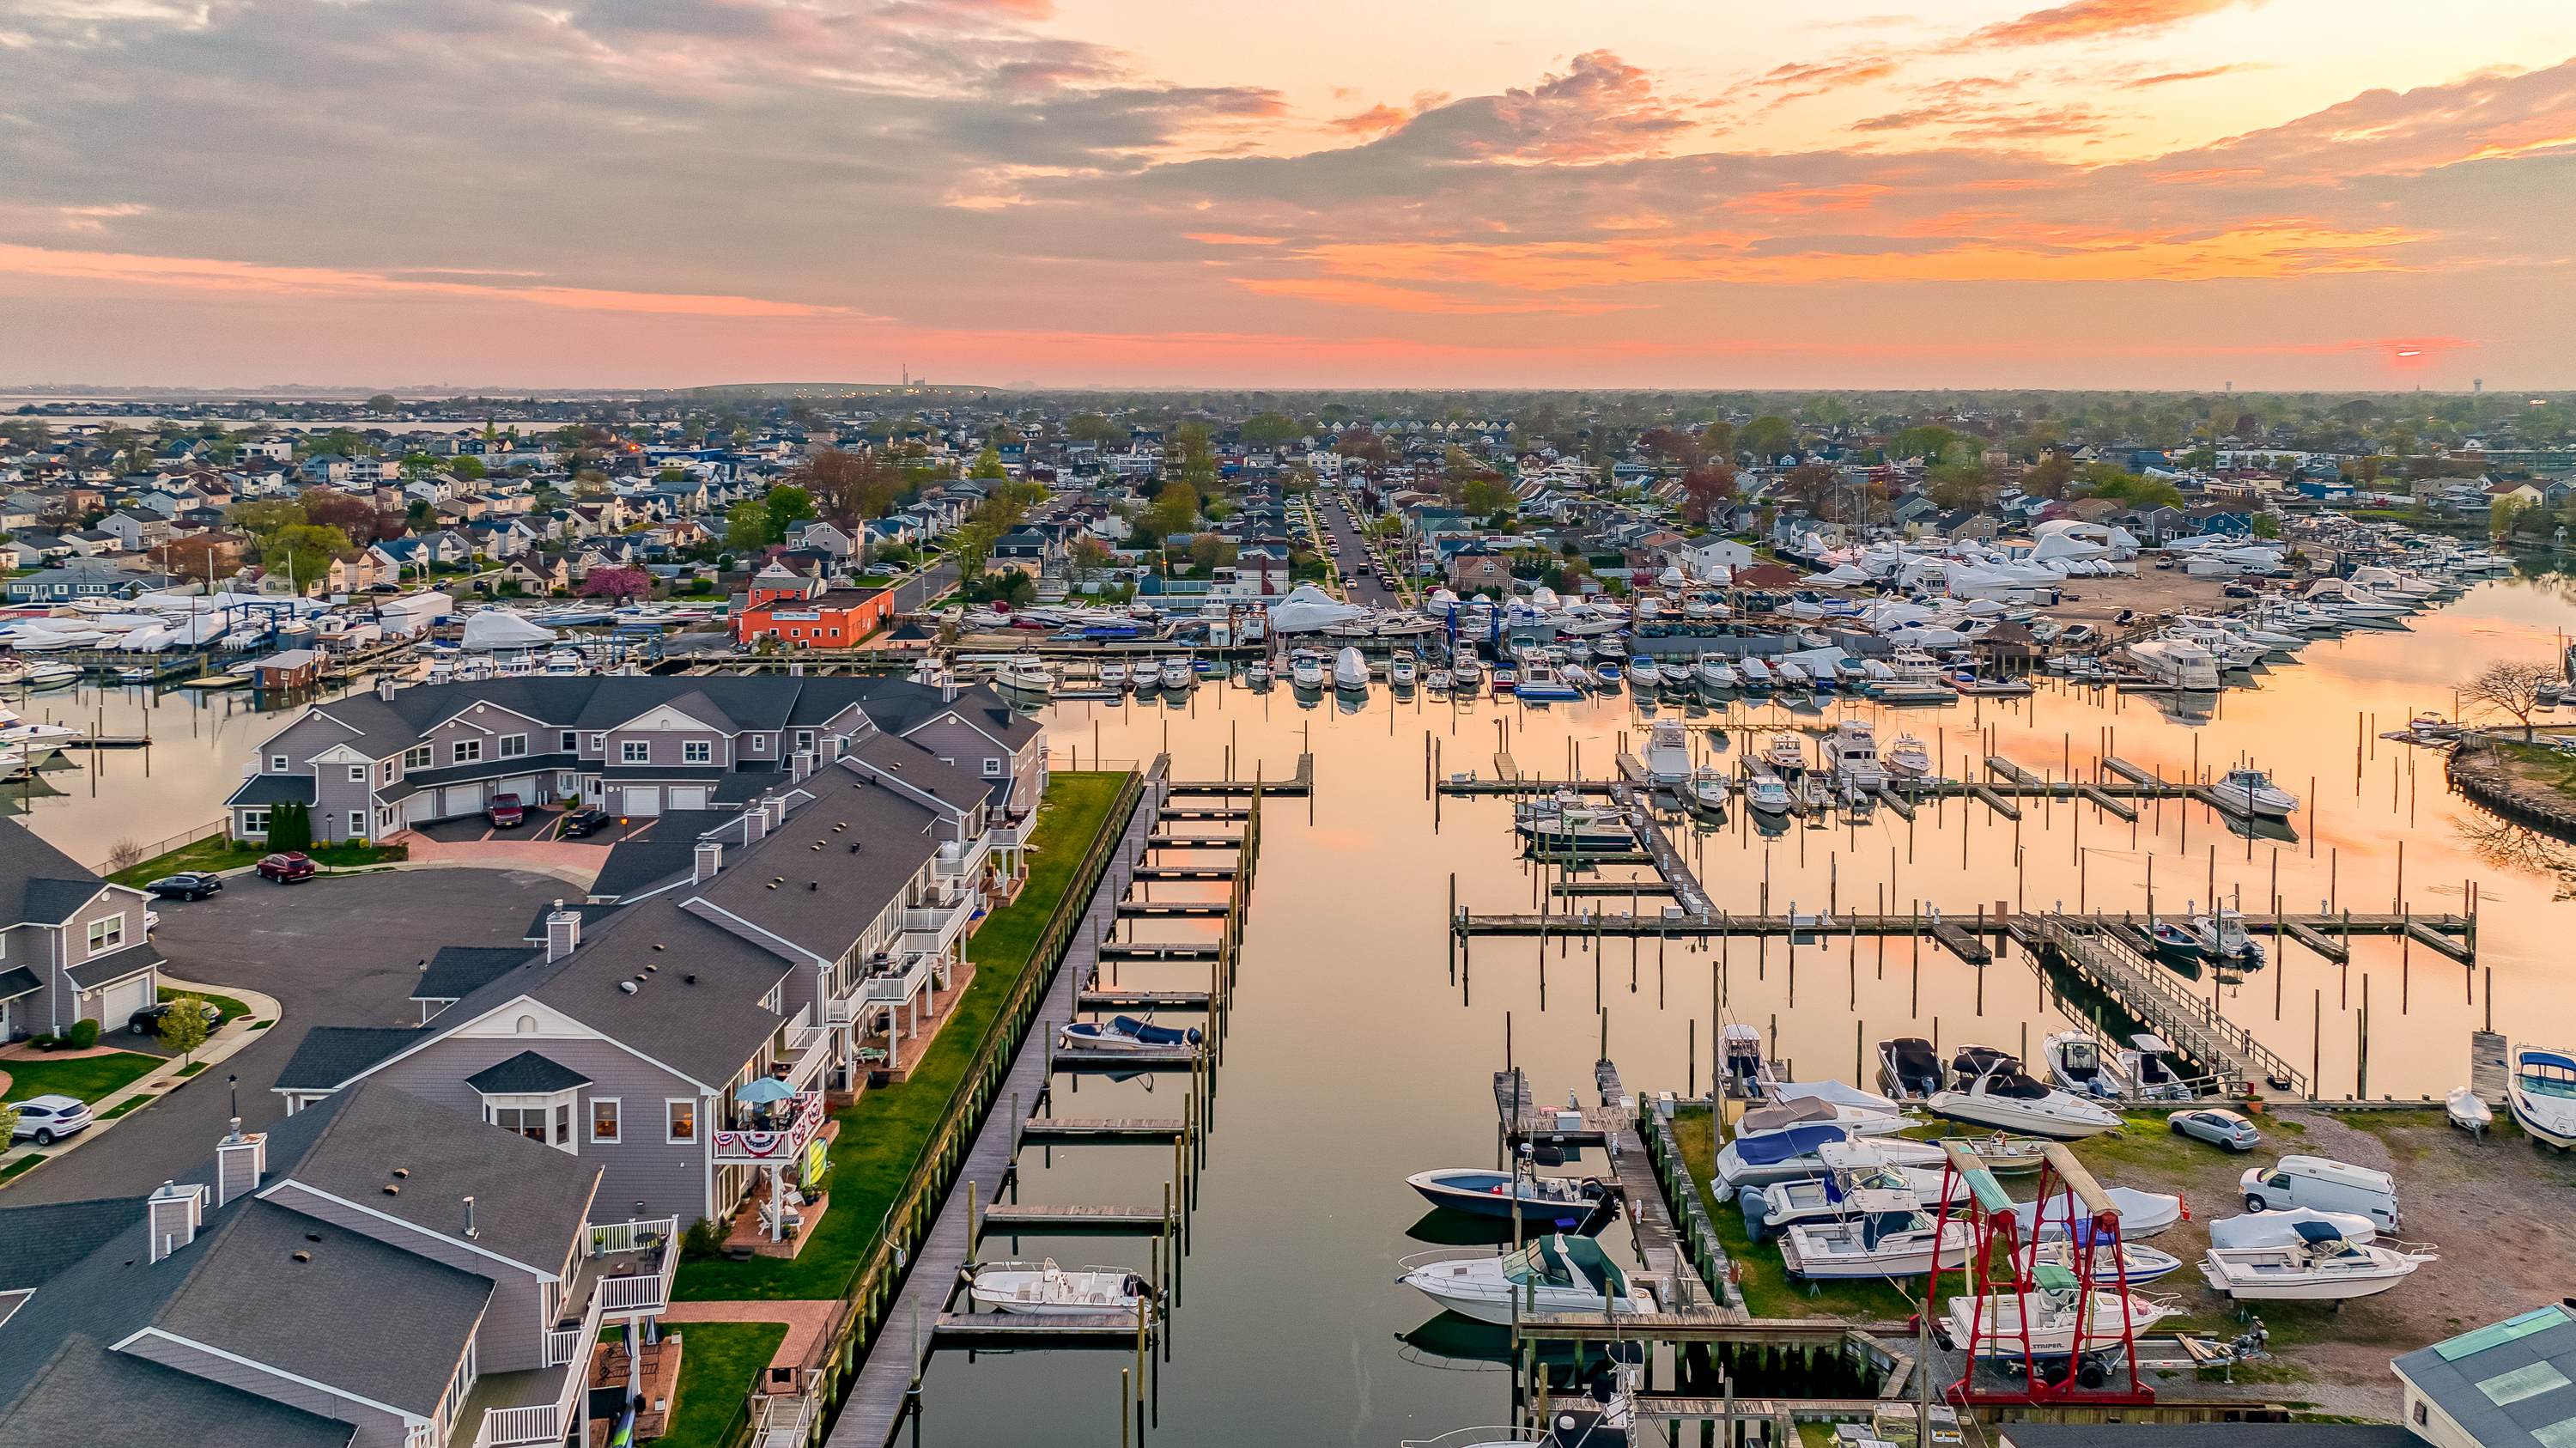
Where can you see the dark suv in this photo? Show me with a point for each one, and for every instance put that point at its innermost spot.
(584, 822)
(287, 868)
(147, 1021)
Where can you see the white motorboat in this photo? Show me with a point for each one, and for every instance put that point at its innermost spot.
(1908, 757)
(1257, 673)
(1556, 1273)
(1350, 669)
(1668, 755)
(2077, 1063)
(1787, 754)
(1644, 673)
(1908, 1069)
(1855, 1121)
(1996, 1092)
(2142, 1214)
(2252, 791)
(1113, 675)
(2050, 1313)
(2131, 1265)
(1757, 674)
(1402, 669)
(2281, 1228)
(1886, 1234)
(1437, 681)
(1466, 672)
(1539, 680)
(1306, 669)
(49, 674)
(1708, 789)
(1128, 1033)
(2320, 1267)
(1789, 674)
(1026, 679)
(1715, 672)
(2178, 663)
(2468, 1111)
(1566, 821)
(1849, 1168)
(1578, 676)
(1042, 1289)
(1765, 792)
(1854, 752)
(1177, 673)
(1781, 1156)
(2542, 1094)
(2223, 937)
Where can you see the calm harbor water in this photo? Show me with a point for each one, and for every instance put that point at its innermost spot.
(1355, 1059)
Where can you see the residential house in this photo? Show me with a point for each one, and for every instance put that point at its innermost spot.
(828, 537)
(355, 571)
(78, 949)
(377, 1271)
(536, 572)
(836, 618)
(1710, 556)
(84, 578)
(1474, 569)
(136, 532)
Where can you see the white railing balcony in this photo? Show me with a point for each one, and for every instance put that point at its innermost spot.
(562, 1347)
(1004, 836)
(780, 1145)
(894, 983)
(503, 1427)
(932, 930)
(967, 864)
(612, 1238)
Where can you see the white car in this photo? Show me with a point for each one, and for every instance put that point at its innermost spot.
(48, 1118)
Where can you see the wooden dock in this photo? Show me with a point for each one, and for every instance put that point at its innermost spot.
(1005, 1219)
(1053, 1129)
(1183, 872)
(1090, 1329)
(1194, 910)
(1193, 842)
(1298, 785)
(1096, 999)
(1668, 861)
(2163, 1000)
(1127, 950)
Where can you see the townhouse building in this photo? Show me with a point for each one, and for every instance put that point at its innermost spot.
(377, 1271)
(367, 765)
(74, 947)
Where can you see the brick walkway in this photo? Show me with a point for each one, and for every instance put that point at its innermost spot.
(806, 1323)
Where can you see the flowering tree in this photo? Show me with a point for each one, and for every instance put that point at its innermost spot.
(617, 583)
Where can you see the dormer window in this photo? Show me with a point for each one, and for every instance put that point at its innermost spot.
(279, 764)
(760, 744)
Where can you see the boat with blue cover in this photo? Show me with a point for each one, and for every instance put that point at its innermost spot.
(1126, 1033)
(1557, 1203)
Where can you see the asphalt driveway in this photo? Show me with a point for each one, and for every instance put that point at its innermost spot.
(334, 952)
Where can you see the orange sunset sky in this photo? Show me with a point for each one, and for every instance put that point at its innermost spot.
(2106, 193)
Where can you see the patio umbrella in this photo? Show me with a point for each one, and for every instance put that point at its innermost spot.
(767, 1088)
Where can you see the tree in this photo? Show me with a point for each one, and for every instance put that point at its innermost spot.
(1811, 486)
(2500, 517)
(1706, 488)
(2509, 687)
(1486, 496)
(1208, 550)
(786, 506)
(1174, 510)
(1959, 485)
(988, 464)
(290, 826)
(1718, 439)
(183, 1027)
(847, 487)
(356, 517)
(2266, 526)
(467, 466)
(1092, 427)
(1766, 436)
(382, 402)
(616, 583)
(263, 517)
(2051, 477)
(1270, 428)
(1090, 554)
(1922, 442)
(303, 551)
(747, 525)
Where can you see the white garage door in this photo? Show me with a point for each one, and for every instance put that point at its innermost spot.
(464, 799)
(123, 999)
(688, 797)
(420, 808)
(525, 787)
(646, 800)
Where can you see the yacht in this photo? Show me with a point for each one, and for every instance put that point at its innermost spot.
(1909, 1069)
(1855, 755)
(1708, 789)
(1556, 1273)
(2542, 1093)
(2320, 1267)
(1402, 669)
(1757, 674)
(2077, 1063)
(1565, 821)
(1578, 676)
(1257, 674)
(1789, 674)
(1466, 672)
(1787, 754)
(1668, 756)
(1177, 673)
(1538, 679)
(1644, 673)
(1042, 1289)
(1306, 669)
(1715, 672)
(1765, 792)
(2252, 791)
(2042, 1321)
(1350, 669)
(2179, 663)
(1994, 1091)
(1908, 757)
(1026, 678)
(1886, 1234)
(1113, 675)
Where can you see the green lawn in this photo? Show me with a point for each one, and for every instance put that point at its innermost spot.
(883, 1135)
(1769, 1290)
(219, 854)
(231, 1008)
(720, 1363)
(87, 1077)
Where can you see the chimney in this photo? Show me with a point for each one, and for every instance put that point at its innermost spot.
(833, 745)
(174, 1212)
(563, 932)
(948, 688)
(385, 688)
(776, 806)
(804, 765)
(755, 821)
(240, 1161)
(710, 860)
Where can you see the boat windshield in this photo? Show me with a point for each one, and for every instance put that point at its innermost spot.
(2547, 1075)
(1534, 1264)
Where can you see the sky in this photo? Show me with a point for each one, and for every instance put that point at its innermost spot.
(2284, 195)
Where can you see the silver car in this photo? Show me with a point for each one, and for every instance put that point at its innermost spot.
(2216, 1124)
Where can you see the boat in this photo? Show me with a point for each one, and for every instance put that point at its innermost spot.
(1715, 672)
(1556, 1273)
(2041, 1321)
(1787, 754)
(1789, 674)
(1748, 1072)
(1577, 675)
(1995, 1091)
(1025, 678)
(1257, 673)
(1644, 673)
(2322, 1266)
(1757, 674)
(2177, 663)
(1402, 669)
(1788, 1115)
(1886, 1234)
(1125, 1033)
(2142, 1214)
(1350, 669)
(1908, 757)
(1558, 1203)
(2223, 937)
(2076, 1063)
(1668, 755)
(1042, 1289)
(1466, 672)
(1854, 752)
(1785, 1155)
(2468, 1112)
(2253, 792)
(2541, 1092)
(2281, 1228)
(1708, 789)
(1539, 680)
(2129, 1265)
(1765, 792)
(51, 674)
(1306, 669)
(1177, 673)
(1566, 821)
(1850, 1167)
(1437, 681)
(1909, 1069)
(1113, 675)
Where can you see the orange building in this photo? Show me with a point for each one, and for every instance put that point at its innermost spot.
(835, 619)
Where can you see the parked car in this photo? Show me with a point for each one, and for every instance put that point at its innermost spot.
(507, 811)
(2213, 1124)
(48, 1118)
(186, 885)
(287, 868)
(581, 823)
(147, 1021)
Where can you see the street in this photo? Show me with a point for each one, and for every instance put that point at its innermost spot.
(1364, 588)
(334, 952)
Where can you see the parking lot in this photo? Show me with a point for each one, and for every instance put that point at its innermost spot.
(334, 952)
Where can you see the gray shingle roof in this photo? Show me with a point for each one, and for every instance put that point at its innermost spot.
(330, 1055)
(38, 883)
(2507, 1383)
(85, 1393)
(51, 1236)
(457, 970)
(262, 789)
(116, 965)
(526, 1074)
(18, 982)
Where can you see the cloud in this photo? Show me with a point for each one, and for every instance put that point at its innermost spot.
(206, 274)
(1377, 120)
(2173, 77)
(1219, 238)
(2091, 20)
(1601, 109)
(1410, 299)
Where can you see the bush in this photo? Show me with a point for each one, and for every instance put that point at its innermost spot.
(290, 826)
(82, 1035)
(703, 1242)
